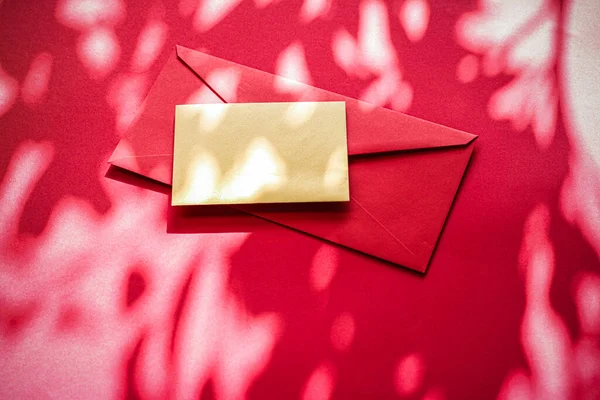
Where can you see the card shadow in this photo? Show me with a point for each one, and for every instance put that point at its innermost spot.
(224, 218)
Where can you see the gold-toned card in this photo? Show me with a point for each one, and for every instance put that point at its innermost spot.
(260, 153)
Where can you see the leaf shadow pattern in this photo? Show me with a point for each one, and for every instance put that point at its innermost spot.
(277, 293)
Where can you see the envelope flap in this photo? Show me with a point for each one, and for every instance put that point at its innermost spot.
(370, 129)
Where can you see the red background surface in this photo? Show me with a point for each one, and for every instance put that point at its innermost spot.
(98, 301)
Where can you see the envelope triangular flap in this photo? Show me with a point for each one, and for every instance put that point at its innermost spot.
(370, 129)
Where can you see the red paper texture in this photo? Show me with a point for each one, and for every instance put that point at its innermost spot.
(107, 292)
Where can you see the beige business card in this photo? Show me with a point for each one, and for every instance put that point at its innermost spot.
(260, 153)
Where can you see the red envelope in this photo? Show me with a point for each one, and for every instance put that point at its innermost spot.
(404, 172)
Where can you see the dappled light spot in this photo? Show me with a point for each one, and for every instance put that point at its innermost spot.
(467, 69)
(260, 4)
(217, 338)
(544, 336)
(545, 117)
(197, 338)
(528, 100)
(225, 82)
(537, 49)
(67, 225)
(204, 95)
(299, 113)
(125, 96)
(402, 99)
(323, 268)
(374, 38)
(149, 46)
(378, 92)
(366, 106)
(313, 9)
(211, 12)
(342, 331)
(588, 303)
(291, 64)
(580, 195)
(414, 17)
(516, 386)
(246, 348)
(9, 89)
(537, 255)
(409, 374)
(86, 14)
(202, 180)
(320, 383)
(37, 79)
(261, 168)
(508, 101)
(150, 375)
(99, 51)
(345, 52)
(28, 164)
(210, 118)
(388, 86)
(494, 22)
